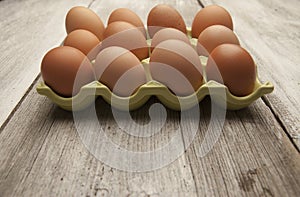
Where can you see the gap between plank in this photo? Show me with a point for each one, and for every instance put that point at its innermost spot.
(200, 3)
(189, 162)
(90, 4)
(268, 104)
(12, 113)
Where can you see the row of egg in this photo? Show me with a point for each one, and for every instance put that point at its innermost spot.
(119, 48)
(123, 19)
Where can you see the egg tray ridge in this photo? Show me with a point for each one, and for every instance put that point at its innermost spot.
(91, 91)
(218, 92)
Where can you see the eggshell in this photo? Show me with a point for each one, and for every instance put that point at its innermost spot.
(233, 66)
(126, 15)
(120, 70)
(66, 69)
(83, 18)
(83, 40)
(208, 16)
(126, 35)
(214, 36)
(164, 16)
(176, 65)
(168, 34)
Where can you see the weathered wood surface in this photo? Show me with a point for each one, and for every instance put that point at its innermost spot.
(253, 157)
(270, 31)
(44, 156)
(27, 30)
(41, 153)
(187, 8)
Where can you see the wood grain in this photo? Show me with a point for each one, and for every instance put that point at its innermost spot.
(28, 29)
(270, 31)
(253, 157)
(41, 154)
(187, 9)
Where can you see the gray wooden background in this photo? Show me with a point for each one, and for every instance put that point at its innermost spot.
(256, 155)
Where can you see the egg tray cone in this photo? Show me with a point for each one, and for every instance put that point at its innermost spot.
(218, 93)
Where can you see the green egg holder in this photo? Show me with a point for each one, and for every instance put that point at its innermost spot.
(218, 92)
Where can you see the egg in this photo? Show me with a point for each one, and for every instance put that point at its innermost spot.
(168, 34)
(65, 70)
(126, 15)
(214, 36)
(234, 67)
(83, 40)
(176, 64)
(120, 70)
(208, 16)
(126, 35)
(164, 16)
(83, 18)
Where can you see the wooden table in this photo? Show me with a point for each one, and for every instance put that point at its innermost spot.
(257, 153)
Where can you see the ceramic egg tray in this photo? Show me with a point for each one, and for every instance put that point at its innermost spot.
(219, 93)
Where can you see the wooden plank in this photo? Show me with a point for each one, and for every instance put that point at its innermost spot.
(270, 31)
(187, 9)
(44, 156)
(253, 157)
(28, 30)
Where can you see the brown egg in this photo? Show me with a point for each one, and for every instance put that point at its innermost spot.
(176, 65)
(168, 34)
(126, 15)
(214, 36)
(164, 16)
(233, 66)
(65, 70)
(208, 16)
(83, 18)
(83, 40)
(126, 35)
(120, 70)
